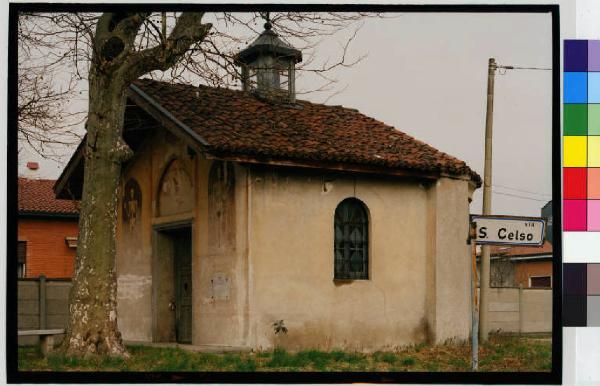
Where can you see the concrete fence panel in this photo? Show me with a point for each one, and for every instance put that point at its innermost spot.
(520, 310)
(42, 304)
(537, 310)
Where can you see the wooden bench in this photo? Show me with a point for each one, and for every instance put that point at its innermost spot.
(46, 337)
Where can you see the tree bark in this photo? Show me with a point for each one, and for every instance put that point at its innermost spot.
(92, 327)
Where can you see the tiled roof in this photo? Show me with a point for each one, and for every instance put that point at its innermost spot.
(237, 123)
(516, 251)
(37, 196)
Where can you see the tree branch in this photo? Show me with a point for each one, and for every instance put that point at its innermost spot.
(188, 30)
(115, 38)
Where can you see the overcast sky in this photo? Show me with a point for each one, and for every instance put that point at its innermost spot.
(426, 75)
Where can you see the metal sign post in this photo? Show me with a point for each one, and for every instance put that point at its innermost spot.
(497, 230)
(474, 301)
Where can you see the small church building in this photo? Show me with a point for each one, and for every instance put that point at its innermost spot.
(249, 218)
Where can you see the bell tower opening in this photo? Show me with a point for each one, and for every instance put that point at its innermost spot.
(268, 66)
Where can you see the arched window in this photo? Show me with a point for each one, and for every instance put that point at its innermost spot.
(351, 240)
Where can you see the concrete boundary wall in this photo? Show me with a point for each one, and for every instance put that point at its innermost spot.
(520, 310)
(42, 304)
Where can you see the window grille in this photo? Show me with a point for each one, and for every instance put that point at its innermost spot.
(351, 240)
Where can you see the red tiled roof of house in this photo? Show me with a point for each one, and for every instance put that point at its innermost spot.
(237, 123)
(37, 196)
(515, 251)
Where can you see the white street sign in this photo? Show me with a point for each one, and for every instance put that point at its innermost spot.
(509, 230)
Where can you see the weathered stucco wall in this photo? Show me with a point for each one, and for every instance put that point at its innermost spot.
(174, 192)
(220, 270)
(449, 263)
(134, 253)
(291, 263)
(262, 251)
(136, 238)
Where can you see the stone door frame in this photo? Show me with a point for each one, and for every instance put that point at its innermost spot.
(161, 315)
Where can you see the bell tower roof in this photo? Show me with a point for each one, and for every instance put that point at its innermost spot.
(268, 42)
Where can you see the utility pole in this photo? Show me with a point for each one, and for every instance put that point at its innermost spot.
(484, 284)
(474, 302)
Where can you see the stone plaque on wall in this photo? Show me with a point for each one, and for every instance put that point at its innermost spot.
(220, 287)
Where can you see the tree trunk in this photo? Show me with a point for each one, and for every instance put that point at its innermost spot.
(92, 327)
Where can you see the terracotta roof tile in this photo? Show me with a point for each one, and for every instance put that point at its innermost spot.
(37, 196)
(237, 123)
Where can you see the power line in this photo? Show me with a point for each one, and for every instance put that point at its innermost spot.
(523, 197)
(523, 68)
(523, 190)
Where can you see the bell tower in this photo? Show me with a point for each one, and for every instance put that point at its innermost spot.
(268, 66)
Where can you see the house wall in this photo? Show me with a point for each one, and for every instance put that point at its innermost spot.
(274, 260)
(134, 252)
(47, 251)
(418, 287)
(524, 270)
(171, 198)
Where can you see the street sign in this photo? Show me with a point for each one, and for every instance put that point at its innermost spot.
(509, 230)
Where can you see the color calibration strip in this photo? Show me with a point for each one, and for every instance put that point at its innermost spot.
(581, 295)
(581, 136)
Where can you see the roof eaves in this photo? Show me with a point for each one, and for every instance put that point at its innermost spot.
(324, 165)
(64, 177)
(168, 115)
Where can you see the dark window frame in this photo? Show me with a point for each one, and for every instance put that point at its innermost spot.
(532, 278)
(21, 258)
(351, 240)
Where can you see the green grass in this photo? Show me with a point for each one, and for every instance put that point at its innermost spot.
(501, 353)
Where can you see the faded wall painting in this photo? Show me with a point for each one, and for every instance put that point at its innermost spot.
(176, 191)
(221, 207)
(132, 205)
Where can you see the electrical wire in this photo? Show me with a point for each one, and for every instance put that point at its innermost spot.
(502, 69)
(516, 195)
(523, 68)
(523, 190)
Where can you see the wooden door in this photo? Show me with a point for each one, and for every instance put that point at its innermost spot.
(182, 245)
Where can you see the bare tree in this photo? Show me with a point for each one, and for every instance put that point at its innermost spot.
(43, 120)
(112, 50)
(502, 273)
